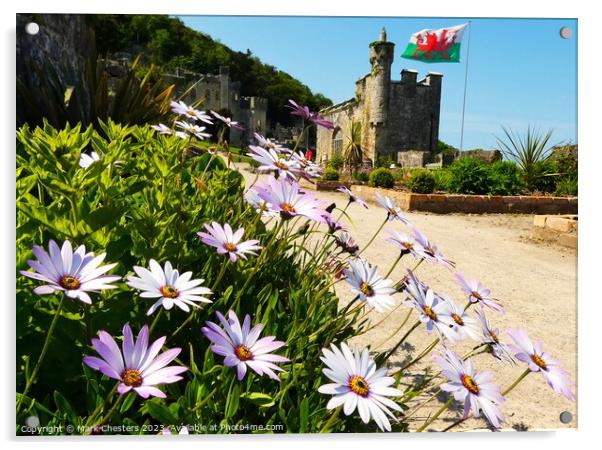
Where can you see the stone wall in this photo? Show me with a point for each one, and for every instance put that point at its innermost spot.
(473, 204)
(488, 156)
(413, 158)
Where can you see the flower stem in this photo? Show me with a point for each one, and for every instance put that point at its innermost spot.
(436, 415)
(373, 237)
(425, 352)
(108, 416)
(516, 382)
(393, 265)
(36, 369)
(401, 341)
(155, 321)
(331, 419)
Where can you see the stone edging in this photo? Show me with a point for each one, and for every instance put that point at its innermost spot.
(475, 204)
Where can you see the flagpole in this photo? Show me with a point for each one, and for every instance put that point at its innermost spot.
(465, 84)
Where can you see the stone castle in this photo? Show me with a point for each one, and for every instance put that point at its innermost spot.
(397, 118)
(220, 93)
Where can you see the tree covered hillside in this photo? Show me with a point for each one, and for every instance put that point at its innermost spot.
(168, 43)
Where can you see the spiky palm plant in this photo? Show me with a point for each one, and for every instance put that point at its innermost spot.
(352, 151)
(528, 151)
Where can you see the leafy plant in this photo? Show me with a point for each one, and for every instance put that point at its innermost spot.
(381, 177)
(422, 182)
(336, 162)
(468, 176)
(146, 197)
(330, 174)
(352, 150)
(361, 176)
(505, 178)
(529, 151)
(567, 186)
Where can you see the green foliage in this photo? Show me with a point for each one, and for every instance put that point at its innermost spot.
(422, 182)
(352, 151)
(381, 177)
(445, 148)
(468, 176)
(361, 176)
(169, 44)
(146, 198)
(529, 151)
(336, 162)
(91, 101)
(505, 178)
(330, 174)
(384, 161)
(567, 186)
(442, 179)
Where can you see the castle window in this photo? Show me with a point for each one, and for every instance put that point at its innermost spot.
(337, 141)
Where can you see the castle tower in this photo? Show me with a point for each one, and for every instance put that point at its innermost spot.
(381, 58)
(224, 81)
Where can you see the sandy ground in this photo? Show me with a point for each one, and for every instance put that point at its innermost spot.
(536, 283)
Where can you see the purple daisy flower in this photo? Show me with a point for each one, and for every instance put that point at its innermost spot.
(241, 347)
(406, 244)
(286, 198)
(477, 293)
(476, 390)
(297, 110)
(533, 354)
(75, 273)
(352, 196)
(430, 250)
(136, 365)
(347, 243)
(491, 337)
(227, 241)
(321, 121)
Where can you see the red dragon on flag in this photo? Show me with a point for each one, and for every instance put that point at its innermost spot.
(441, 45)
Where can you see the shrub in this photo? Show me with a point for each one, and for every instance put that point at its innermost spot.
(151, 206)
(469, 176)
(381, 177)
(422, 182)
(442, 179)
(545, 176)
(336, 162)
(505, 178)
(330, 174)
(566, 187)
(361, 176)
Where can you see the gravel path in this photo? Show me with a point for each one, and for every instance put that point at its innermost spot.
(537, 284)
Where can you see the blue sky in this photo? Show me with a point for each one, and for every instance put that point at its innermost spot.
(521, 72)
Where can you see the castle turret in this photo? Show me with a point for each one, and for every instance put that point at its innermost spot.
(381, 58)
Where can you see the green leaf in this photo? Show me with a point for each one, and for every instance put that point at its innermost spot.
(160, 412)
(64, 407)
(258, 398)
(233, 400)
(128, 402)
(304, 415)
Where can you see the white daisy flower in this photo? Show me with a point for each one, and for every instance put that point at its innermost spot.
(490, 335)
(393, 211)
(188, 111)
(476, 390)
(193, 130)
(162, 129)
(86, 160)
(168, 286)
(359, 385)
(227, 241)
(75, 273)
(464, 325)
(370, 286)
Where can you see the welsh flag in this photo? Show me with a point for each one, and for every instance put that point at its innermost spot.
(433, 46)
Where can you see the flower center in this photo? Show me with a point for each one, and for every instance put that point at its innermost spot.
(70, 283)
(169, 291)
(288, 208)
(131, 377)
(366, 289)
(476, 295)
(469, 384)
(407, 245)
(281, 165)
(458, 319)
(359, 385)
(243, 353)
(539, 361)
(430, 313)
(494, 337)
(229, 246)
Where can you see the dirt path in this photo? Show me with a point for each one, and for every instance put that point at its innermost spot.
(536, 283)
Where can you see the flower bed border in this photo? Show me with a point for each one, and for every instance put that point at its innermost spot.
(324, 185)
(474, 204)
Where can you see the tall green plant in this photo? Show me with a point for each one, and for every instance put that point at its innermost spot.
(528, 151)
(352, 151)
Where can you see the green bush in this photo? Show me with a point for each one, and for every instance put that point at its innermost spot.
(505, 178)
(336, 162)
(422, 182)
(469, 176)
(330, 174)
(151, 205)
(442, 179)
(545, 176)
(566, 187)
(381, 177)
(361, 176)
